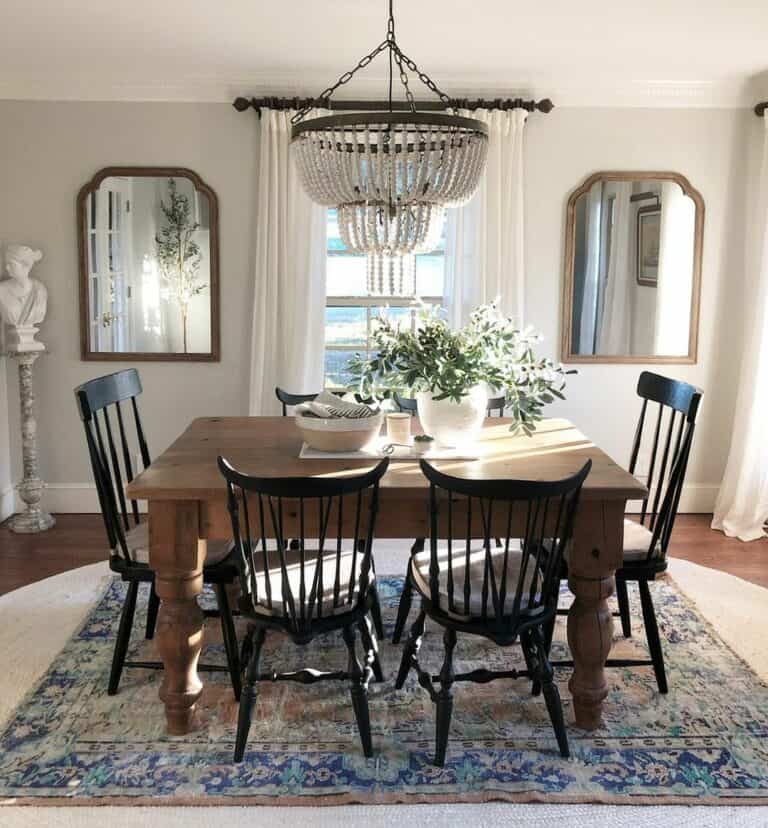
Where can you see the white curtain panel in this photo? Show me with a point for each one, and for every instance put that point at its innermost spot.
(741, 510)
(484, 237)
(615, 331)
(675, 275)
(589, 299)
(288, 333)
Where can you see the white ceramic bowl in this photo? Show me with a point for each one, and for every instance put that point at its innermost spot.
(339, 434)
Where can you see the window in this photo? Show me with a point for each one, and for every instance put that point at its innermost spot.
(350, 310)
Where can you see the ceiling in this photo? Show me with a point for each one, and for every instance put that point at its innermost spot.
(647, 52)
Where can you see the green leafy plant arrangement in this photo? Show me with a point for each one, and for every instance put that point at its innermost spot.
(489, 349)
(178, 254)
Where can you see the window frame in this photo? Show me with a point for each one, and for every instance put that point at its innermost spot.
(369, 303)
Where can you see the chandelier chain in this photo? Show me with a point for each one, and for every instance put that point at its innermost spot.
(422, 76)
(400, 58)
(345, 78)
(391, 23)
(404, 80)
(389, 175)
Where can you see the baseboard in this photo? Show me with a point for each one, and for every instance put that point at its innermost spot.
(74, 498)
(695, 499)
(71, 498)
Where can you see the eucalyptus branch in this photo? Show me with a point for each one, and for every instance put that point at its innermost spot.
(488, 349)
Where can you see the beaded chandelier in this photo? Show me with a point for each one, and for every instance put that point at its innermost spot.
(391, 275)
(389, 174)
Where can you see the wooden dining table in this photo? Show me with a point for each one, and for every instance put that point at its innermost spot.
(187, 508)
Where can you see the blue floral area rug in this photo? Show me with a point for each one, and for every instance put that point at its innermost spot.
(706, 742)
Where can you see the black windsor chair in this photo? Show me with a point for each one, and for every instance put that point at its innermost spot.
(320, 587)
(111, 442)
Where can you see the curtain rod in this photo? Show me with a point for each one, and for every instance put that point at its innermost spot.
(545, 105)
(761, 108)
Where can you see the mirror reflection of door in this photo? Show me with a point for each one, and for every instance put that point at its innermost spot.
(149, 266)
(109, 245)
(632, 269)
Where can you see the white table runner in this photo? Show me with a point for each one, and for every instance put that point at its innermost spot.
(375, 451)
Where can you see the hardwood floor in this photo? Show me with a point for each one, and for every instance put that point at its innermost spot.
(693, 540)
(77, 540)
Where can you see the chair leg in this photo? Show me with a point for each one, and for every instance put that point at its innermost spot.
(540, 658)
(445, 698)
(123, 637)
(652, 634)
(549, 634)
(404, 607)
(535, 683)
(230, 638)
(623, 599)
(378, 623)
(256, 636)
(371, 644)
(360, 678)
(152, 609)
(411, 649)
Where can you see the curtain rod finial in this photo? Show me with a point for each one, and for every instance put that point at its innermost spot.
(761, 108)
(241, 104)
(545, 105)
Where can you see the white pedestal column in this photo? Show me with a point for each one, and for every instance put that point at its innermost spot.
(33, 518)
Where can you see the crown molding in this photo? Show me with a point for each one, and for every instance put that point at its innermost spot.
(728, 93)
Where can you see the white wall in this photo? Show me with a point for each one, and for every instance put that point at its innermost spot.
(48, 150)
(712, 148)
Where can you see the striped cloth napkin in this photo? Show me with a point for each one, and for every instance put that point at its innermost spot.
(329, 406)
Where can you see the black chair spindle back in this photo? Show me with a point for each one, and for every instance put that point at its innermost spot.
(405, 404)
(496, 404)
(286, 399)
(534, 521)
(336, 519)
(409, 404)
(103, 405)
(666, 438)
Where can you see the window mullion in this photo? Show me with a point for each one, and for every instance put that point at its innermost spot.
(349, 271)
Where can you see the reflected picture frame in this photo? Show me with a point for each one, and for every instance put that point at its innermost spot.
(647, 245)
(87, 353)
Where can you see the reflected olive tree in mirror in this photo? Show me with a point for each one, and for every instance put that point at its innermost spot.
(632, 269)
(149, 264)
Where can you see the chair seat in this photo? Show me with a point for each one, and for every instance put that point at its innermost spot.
(329, 603)
(637, 542)
(420, 570)
(137, 540)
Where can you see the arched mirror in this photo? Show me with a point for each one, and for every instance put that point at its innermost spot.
(149, 266)
(632, 269)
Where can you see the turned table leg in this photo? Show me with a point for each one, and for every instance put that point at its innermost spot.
(590, 630)
(596, 554)
(177, 556)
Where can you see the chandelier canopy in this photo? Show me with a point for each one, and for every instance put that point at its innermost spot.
(390, 174)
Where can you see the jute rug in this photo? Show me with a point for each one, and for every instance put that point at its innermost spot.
(704, 743)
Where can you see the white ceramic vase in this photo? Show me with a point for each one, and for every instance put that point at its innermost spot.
(453, 423)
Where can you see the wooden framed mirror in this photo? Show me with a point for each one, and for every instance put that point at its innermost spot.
(148, 241)
(633, 246)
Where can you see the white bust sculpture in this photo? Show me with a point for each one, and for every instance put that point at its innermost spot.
(23, 300)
